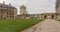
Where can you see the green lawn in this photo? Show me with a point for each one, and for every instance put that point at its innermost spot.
(16, 25)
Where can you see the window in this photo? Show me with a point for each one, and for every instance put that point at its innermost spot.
(10, 16)
(7, 13)
(1, 16)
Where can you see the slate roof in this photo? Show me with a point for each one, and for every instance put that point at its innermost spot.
(7, 6)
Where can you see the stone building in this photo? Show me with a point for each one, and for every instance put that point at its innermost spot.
(10, 12)
(7, 11)
(58, 8)
(23, 10)
(24, 14)
(49, 15)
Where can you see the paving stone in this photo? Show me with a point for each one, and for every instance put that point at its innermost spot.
(48, 25)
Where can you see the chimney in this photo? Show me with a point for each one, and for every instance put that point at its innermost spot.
(3, 2)
(9, 4)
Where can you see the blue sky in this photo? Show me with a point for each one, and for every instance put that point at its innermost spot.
(34, 6)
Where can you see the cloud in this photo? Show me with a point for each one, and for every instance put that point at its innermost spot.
(34, 6)
(24, 2)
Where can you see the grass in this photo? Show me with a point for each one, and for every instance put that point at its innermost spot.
(58, 19)
(16, 25)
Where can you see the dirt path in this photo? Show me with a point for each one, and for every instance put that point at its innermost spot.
(48, 25)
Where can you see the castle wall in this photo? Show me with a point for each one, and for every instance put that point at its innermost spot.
(49, 15)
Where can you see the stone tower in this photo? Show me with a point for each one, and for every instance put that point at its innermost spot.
(58, 8)
(23, 10)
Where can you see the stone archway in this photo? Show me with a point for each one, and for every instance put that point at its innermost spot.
(52, 16)
(45, 16)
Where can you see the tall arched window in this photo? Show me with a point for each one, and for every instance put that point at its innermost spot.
(7, 13)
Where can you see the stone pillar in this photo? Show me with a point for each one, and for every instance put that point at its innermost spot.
(43, 16)
(3, 14)
(54, 16)
(15, 14)
(8, 14)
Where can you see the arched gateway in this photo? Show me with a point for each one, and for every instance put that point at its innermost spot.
(45, 16)
(49, 16)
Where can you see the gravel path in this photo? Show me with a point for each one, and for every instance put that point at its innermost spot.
(48, 25)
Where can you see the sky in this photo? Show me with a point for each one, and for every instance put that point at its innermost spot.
(33, 6)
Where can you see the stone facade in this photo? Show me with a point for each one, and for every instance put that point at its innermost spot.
(58, 8)
(7, 11)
